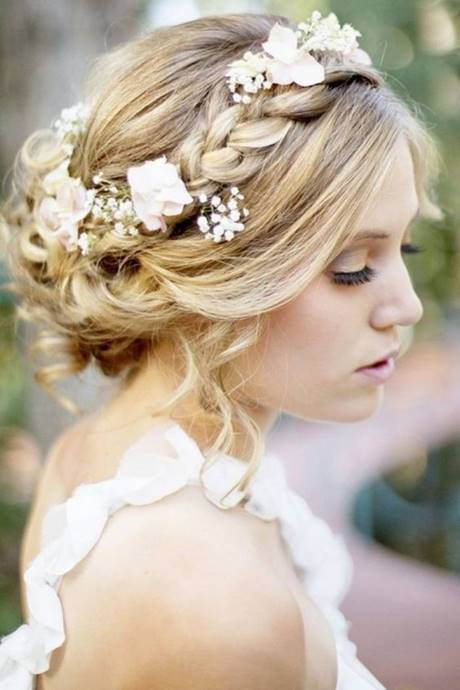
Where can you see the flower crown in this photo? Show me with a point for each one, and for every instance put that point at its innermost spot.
(287, 57)
(154, 189)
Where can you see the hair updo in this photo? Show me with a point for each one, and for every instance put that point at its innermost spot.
(309, 160)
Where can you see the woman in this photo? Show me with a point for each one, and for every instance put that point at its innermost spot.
(220, 227)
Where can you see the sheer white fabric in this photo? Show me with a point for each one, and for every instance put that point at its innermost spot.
(72, 528)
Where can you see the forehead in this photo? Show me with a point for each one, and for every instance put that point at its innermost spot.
(396, 202)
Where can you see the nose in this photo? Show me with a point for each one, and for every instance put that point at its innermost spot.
(398, 303)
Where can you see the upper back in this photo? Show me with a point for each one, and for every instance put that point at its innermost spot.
(193, 581)
(175, 599)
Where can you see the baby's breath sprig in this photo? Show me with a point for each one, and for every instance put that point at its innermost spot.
(112, 204)
(249, 73)
(219, 220)
(70, 125)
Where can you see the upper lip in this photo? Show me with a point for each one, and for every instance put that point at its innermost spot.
(392, 353)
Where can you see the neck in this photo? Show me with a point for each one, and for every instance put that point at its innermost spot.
(152, 385)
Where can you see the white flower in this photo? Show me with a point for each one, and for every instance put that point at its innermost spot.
(67, 149)
(327, 34)
(72, 120)
(247, 67)
(63, 213)
(203, 223)
(291, 64)
(156, 191)
(84, 242)
(54, 179)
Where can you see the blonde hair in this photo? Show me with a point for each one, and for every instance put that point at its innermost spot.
(309, 161)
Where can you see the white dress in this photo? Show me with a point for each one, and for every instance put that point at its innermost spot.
(72, 528)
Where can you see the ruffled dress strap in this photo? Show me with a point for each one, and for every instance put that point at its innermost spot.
(72, 528)
(321, 559)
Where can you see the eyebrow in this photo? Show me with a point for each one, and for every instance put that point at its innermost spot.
(378, 234)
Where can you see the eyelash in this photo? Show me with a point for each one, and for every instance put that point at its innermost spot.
(366, 274)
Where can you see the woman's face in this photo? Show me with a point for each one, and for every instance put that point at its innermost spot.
(306, 365)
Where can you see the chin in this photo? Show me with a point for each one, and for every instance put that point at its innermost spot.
(348, 411)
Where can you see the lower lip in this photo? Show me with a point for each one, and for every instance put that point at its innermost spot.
(379, 372)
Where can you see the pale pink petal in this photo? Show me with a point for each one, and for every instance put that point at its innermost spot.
(157, 190)
(146, 205)
(167, 174)
(64, 196)
(177, 193)
(359, 55)
(280, 73)
(56, 177)
(151, 175)
(307, 71)
(68, 236)
(48, 211)
(281, 44)
(139, 178)
(170, 208)
(144, 211)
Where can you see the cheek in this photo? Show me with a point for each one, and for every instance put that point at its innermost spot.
(301, 351)
(306, 330)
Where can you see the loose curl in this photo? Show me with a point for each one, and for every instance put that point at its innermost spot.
(309, 161)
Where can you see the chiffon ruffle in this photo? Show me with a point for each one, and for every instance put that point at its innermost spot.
(72, 528)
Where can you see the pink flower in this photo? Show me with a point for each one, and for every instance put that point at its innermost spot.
(291, 64)
(157, 191)
(63, 212)
(359, 55)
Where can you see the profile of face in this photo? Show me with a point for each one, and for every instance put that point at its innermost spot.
(306, 365)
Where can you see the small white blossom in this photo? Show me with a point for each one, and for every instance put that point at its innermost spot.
(84, 243)
(67, 148)
(203, 198)
(225, 224)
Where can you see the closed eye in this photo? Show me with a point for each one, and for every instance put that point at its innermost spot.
(366, 274)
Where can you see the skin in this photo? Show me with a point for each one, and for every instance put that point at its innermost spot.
(306, 365)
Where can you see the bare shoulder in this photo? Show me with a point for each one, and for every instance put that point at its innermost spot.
(178, 594)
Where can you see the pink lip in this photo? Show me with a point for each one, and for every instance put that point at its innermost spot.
(381, 372)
